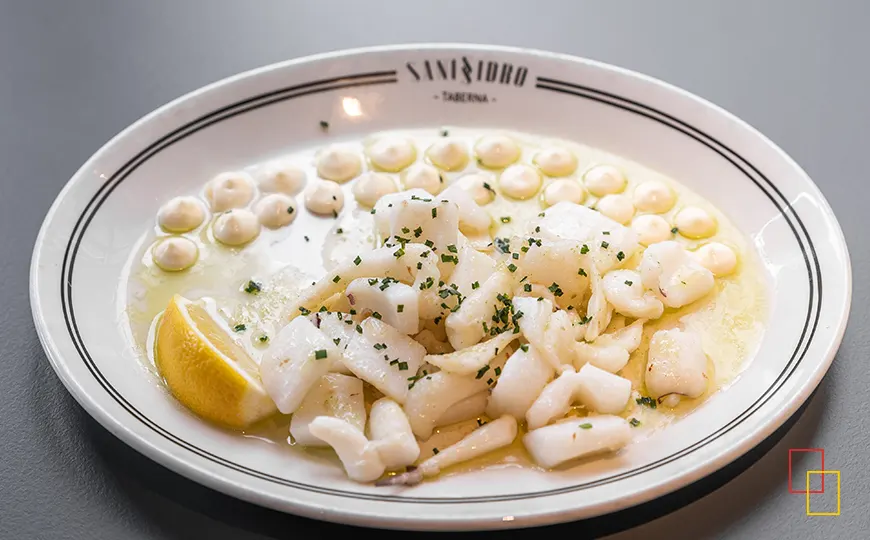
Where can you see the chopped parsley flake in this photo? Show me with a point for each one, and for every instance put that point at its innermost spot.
(253, 287)
(647, 401)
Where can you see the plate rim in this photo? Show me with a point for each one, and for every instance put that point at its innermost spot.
(216, 481)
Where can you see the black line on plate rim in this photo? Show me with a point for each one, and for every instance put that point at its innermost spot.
(239, 108)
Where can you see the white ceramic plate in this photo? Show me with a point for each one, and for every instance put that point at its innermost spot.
(95, 222)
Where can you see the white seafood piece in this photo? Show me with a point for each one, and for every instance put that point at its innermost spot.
(432, 343)
(417, 216)
(598, 311)
(474, 359)
(523, 377)
(534, 323)
(496, 151)
(423, 176)
(370, 187)
(298, 357)
(394, 302)
(601, 391)
(385, 262)
(473, 220)
(488, 437)
(276, 210)
(384, 357)
(468, 409)
(236, 227)
(391, 433)
(607, 242)
(338, 164)
(473, 268)
(465, 326)
(676, 366)
(229, 190)
(624, 291)
(671, 271)
(392, 153)
(175, 253)
(570, 439)
(181, 214)
(339, 327)
(448, 154)
(611, 352)
(360, 458)
(334, 395)
(433, 395)
(559, 337)
(555, 264)
(554, 401)
(479, 185)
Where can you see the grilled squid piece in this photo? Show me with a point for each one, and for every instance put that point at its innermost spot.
(534, 323)
(360, 457)
(556, 265)
(414, 264)
(472, 270)
(488, 437)
(601, 391)
(570, 439)
(417, 216)
(336, 327)
(555, 399)
(676, 366)
(396, 303)
(431, 396)
(465, 326)
(473, 220)
(624, 290)
(610, 352)
(300, 355)
(384, 357)
(392, 435)
(605, 241)
(335, 395)
(471, 360)
(671, 271)
(467, 409)
(598, 311)
(524, 376)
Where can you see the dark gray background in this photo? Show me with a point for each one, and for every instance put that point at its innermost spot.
(74, 73)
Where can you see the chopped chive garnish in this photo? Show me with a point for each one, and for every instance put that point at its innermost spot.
(675, 230)
(290, 209)
(376, 315)
(320, 354)
(527, 287)
(252, 287)
(647, 401)
(263, 339)
(525, 347)
(336, 340)
(634, 422)
(505, 219)
(336, 279)
(587, 425)
(400, 308)
(620, 256)
(581, 272)
(584, 249)
(434, 213)
(629, 283)
(239, 328)
(475, 285)
(481, 372)
(605, 245)
(357, 261)
(304, 311)
(417, 232)
(359, 329)
(452, 249)
(512, 267)
(403, 366)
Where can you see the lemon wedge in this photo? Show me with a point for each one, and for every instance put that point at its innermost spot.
(206, 370)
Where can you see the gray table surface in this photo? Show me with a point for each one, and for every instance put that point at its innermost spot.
(74, 73)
